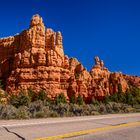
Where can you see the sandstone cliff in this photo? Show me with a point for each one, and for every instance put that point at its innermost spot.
(35, 59)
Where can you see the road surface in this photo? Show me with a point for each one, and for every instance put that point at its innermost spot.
(103, 127)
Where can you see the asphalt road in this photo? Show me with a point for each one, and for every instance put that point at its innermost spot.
(104, 127)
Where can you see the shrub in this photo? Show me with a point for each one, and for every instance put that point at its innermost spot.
(54, 114)
(95, 113)
(131, 110)
(61, 108)
(109, 108)
(94, 107)
(32, 95)
(22, 113)
(76, 109)
(41, 106)
(3, 97)
(119, 88)
(40, 114)
(116, 107)
(94, 101)
(60, 99)
(137, 107)
(130, 99)
(121, 97)
(42, 95)
(48, 102)
(73, 99)
(87, 109)
(19, 100)
(106, 99)
(102, 109)
(80, 100)
(7, 112)
(114, 98)
(36, 106)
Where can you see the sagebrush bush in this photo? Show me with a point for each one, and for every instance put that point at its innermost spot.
(29, 104)
(77, 110)
(40, 114)
(102, 109)
(116, 107)
(109, 108)
(36, 106)
(61, 108)
(23, 113)
(53, 114)
(7, 112)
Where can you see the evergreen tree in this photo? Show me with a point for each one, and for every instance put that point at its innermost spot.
(60, 98)
(106, 99)
(42, 95)
(119, 88)
(80, 100)
(22, 99)
(73, 99)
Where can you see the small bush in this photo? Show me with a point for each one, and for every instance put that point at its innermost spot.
(19, 100)
(130, 99)
(7, 112)
(32, 95)
(116, 107)
(60, 99)
(109, 108)
(22, 113)
(94, 101)
(106, 99)
(95, 113)
(130, 110)
(77, 110)
(40, 114)
(102, 109)
(114, 98)
(73, 99)
(42, 95)
(80, 100)
(54, 114)
(34, 107)
(3, 97)
(61, 108)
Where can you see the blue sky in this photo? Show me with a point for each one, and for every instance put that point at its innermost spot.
(107, 28)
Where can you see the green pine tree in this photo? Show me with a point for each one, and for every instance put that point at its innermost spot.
(80, 100)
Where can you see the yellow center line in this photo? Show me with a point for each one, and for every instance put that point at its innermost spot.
(71, 134)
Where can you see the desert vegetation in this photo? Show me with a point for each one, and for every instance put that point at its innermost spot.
(29, 104)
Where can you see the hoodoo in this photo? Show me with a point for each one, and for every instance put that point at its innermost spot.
(35, 59)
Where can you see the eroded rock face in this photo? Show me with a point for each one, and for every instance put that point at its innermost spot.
(35, 59)
(132, 80)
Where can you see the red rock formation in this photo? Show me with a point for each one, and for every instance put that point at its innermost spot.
(132, 80)
(35, 59)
